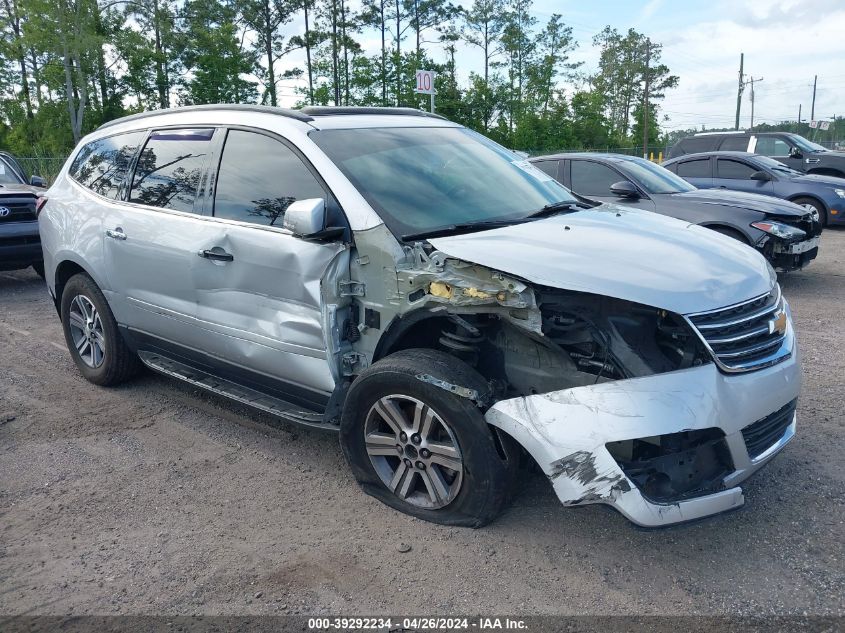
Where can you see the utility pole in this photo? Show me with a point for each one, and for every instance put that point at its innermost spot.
(739, 90)
(813, 107)
(645, 98)
(751, 81)
(799, 112)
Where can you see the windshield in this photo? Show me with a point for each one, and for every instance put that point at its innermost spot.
(424, 179)
(771, 163)
(7, 174)
(653, 178)
(806, 146)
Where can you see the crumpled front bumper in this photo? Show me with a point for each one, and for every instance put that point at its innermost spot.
(566, 432)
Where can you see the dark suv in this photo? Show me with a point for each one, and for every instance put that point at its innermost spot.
(20, 246)
(792, 150)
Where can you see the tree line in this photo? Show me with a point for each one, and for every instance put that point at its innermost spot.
(67, 66)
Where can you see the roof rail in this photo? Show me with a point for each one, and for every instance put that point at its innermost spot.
(353, 110)
(237, 107)
(715, 133)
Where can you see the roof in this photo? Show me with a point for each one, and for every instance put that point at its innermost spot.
(725, 153)
(237, 107)
(599, 155)
(305, 115)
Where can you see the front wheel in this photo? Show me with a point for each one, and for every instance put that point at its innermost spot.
(422, 449)
(91, 333)
(813, 205)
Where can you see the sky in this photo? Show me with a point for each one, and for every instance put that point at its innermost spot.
(786, 43)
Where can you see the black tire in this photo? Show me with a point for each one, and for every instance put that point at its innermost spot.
(38, 267)
(117, 362)
(725, 230)
(489, 462)
(816, 205)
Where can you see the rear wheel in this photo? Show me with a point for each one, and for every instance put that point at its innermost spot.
(91, 333)
(422, 449)
(813, 205)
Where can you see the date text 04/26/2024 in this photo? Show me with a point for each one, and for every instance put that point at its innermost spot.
(416, 623)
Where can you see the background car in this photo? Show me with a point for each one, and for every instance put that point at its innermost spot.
(792, 150)
(741, 171)
(787, 235)
(11, 172)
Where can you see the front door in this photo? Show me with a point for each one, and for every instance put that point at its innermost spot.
(259, 300)
(735, 174)
(779, 148)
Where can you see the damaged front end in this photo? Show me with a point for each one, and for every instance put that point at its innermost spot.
(618, 402)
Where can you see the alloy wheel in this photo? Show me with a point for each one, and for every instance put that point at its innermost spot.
(413, 451)
(86, 329)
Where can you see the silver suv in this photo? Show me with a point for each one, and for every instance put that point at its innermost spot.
(447, 307)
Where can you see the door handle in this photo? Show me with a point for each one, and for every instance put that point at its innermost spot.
(218, 255)
(116, 234)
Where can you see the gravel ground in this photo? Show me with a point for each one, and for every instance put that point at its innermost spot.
(156, 498)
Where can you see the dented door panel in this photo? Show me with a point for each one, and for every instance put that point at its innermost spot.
(263, 309)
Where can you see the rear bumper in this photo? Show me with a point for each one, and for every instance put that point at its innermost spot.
(567, 432)
(20, 245)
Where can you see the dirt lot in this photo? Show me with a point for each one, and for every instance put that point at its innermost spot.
(157, 498)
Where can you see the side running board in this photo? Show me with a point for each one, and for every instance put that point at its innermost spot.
(245, 395)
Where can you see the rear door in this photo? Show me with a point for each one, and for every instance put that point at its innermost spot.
(260, 305)
(697, 172)
(735, 174)
(152, 239)
(593, 180)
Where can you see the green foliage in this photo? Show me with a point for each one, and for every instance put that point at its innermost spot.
(66, 66)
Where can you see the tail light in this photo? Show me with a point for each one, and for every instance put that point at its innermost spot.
(39, 204)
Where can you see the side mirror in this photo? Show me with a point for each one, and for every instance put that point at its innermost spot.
(625, 189)
(794, 152)
(37, 181)
(761, 176)
(305, 218)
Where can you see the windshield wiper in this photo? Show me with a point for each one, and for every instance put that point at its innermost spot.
(556, 207)
(461, 227)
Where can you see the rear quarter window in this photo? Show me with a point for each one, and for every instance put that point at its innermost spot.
(102, 165)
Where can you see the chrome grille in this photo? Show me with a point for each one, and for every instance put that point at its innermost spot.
(748, 335)
(20, 209)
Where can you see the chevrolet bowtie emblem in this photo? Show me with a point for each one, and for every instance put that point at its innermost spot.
(778, 324)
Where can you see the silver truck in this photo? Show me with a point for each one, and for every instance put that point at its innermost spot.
(450, 309)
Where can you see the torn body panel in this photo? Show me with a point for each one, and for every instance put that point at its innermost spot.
(568, 432)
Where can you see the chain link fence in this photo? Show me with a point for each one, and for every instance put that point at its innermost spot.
(48, 167)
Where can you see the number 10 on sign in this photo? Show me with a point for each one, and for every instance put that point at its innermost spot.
(425, 84)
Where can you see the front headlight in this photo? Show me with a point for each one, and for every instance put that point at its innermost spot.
(839, 192)
(779, 229)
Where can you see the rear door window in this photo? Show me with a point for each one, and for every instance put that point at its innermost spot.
(102, 165)
(695, 144)
(549, 167)
(698, 168)
(593, 179)
(733, 169)
(259, 178)
(170, 168)
(735, 144)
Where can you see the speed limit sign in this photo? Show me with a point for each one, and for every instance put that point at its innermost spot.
(425, 84)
